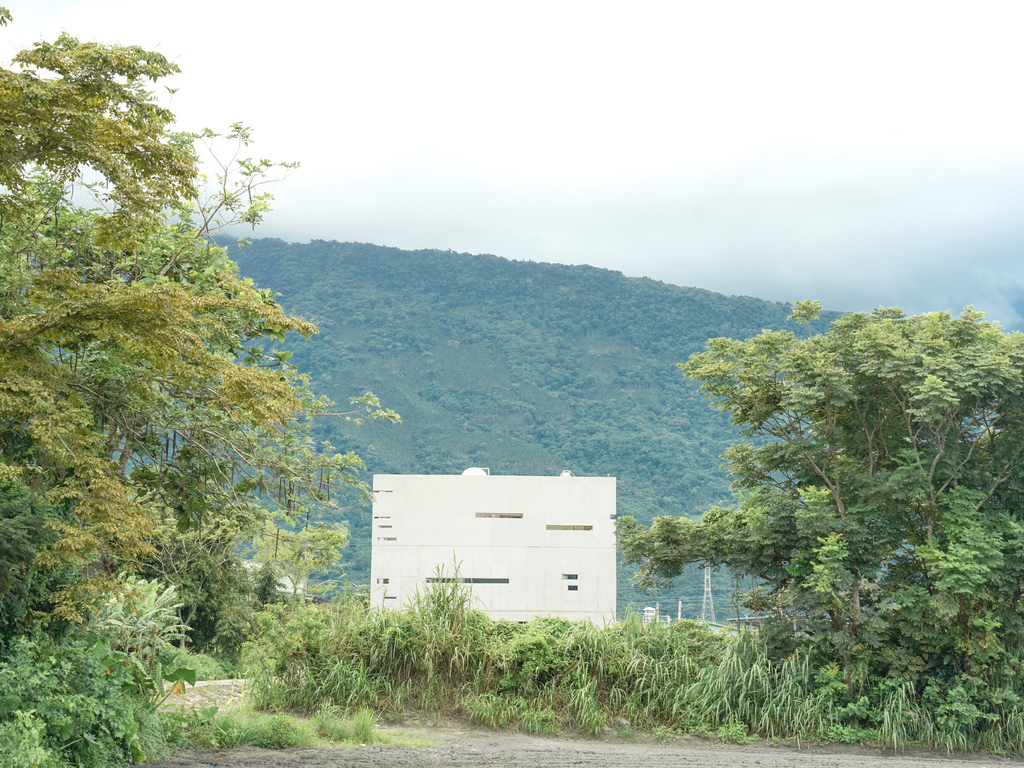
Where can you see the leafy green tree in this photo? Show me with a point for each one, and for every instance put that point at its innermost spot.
(205, 566)
(71, 106)
(881, 504)
(296, 555)
(131, 380)
(24, 586)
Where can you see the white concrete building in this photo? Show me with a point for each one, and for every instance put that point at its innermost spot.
(528, 546)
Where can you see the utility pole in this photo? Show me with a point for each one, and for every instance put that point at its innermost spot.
(707, 611)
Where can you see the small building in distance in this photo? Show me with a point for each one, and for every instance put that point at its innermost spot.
(527, 546)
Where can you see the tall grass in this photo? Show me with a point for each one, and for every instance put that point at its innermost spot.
(328, 727)
(440, 655)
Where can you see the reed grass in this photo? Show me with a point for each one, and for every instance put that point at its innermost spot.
(439, 655)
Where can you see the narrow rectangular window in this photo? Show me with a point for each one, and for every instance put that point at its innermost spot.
(383, 581)
(383, 526)
(570, 576)
(516, 515)
(448, 580)
(387, 538)
(390, 597)
(574, 587)
(570, 527)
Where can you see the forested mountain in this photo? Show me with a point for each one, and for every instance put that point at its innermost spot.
(522, 367)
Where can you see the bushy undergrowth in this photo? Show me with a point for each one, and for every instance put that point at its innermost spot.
(73, 702)
(553, 674)
(88, 698)
(206, 667)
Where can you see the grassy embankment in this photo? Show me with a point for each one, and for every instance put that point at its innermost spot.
(552, 675)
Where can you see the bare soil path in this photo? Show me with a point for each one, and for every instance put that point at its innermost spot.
(482, 749)
(457, 745)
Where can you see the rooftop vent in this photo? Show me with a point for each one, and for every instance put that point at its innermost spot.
(566, 473)
(477, 471)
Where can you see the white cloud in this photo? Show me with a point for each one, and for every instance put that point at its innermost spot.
(862, 153)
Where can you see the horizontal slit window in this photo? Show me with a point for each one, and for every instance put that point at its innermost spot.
(570, 527)
(383, 526)
(571, 576)
(387, 538)
(447, 580)
(574, 587)
(390, 597)
(500, 514)
(383, 581)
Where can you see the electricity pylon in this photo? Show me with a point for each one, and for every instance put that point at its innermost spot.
(707, 611)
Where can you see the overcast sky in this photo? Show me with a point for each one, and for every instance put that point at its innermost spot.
(861, 153)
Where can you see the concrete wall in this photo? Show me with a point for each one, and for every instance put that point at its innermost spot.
(522, 542)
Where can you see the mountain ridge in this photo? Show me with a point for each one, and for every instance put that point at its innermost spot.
(525, 367)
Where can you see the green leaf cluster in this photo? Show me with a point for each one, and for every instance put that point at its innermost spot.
(132, 385)
(78, 692)
(879, 493)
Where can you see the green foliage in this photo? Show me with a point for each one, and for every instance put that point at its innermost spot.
(283, 732)
(140, 624)
(108, 123)
(233, 729)
(535, 658)
(884, 509)
(553, 675)
(215, 590)
(24, 586)
(440, 654)
(298, 554)
(734, 732)
(501, 712)
(21, 742)
(206, 667)
(664, 734)
(81, 693)
(133, 396)
(132, 383)
(326, 728)
(266, 585)
(626, 733)
(363, 723)
(883, 513)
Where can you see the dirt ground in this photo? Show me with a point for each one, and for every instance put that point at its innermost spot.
(456, 745)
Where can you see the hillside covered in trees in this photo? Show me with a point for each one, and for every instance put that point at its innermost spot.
(522, 367)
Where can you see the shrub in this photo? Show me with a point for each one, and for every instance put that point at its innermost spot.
(79, 692)
(206, 667)
(280, 731)
(140, 625)
(89, 698)
(22, 740)
(25, 586)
